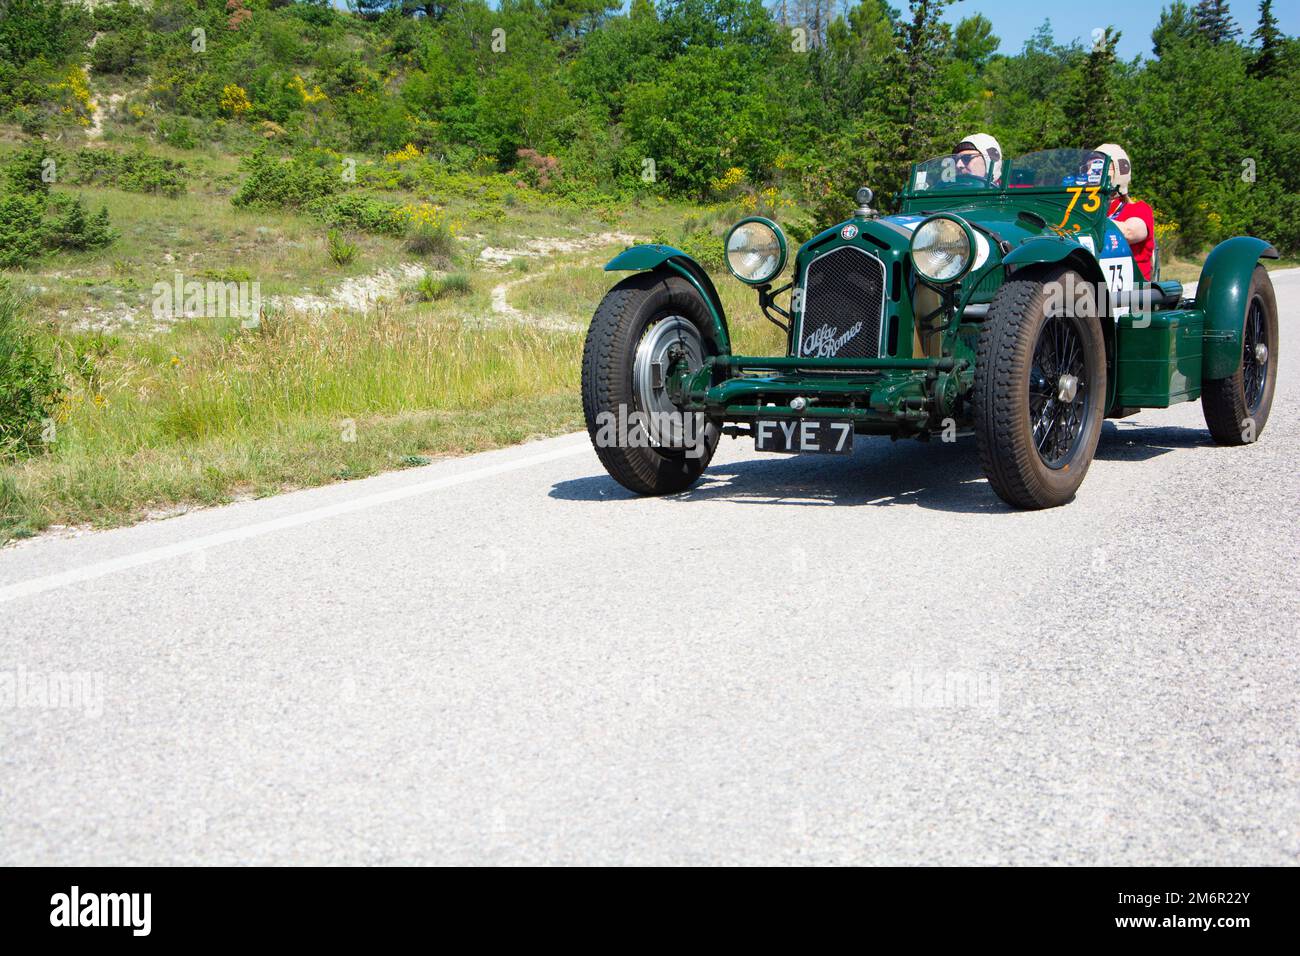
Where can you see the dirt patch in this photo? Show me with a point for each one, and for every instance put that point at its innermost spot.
(542, 248)
(359, 294)
(502, 309)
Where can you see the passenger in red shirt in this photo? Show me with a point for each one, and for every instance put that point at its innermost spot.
(1135, 218)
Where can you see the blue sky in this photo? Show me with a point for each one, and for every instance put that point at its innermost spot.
(1014, 21)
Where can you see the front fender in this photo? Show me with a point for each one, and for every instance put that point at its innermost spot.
(658, 258)
(1221, 295)
(1049, 250)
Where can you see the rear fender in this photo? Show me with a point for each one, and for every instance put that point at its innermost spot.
(671, 261)
(1221, 295)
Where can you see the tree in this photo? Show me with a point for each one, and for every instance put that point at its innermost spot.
(1177, 25)
(1214, 21)
(49, 29)
(716, 23)
(1269, 38)
(975, 41)
(433, 10)
(922, 46)
(704, 113)
(1091, 101)
(575, 17)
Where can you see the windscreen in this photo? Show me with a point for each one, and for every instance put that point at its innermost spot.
(964, 171)
(1059, 168)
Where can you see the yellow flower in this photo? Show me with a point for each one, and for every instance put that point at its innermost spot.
(426, 214)
(234, 100)
(314, 95)
(77, 87)
(175, 360)
(729, 180)
(407, 152)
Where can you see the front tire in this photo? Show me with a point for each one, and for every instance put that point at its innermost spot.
(624, 362)
(1236, 408)
(1040, 388)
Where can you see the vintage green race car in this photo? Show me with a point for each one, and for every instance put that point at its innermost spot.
(1012, 308)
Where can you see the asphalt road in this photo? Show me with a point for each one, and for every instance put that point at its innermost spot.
(507, 658)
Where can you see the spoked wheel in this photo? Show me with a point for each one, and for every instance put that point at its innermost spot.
(1058, 391)
(646, 326)
(1255, 354)
(1236, 408)
(1040, 384)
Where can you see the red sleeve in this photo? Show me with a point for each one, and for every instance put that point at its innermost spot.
(1140, 210)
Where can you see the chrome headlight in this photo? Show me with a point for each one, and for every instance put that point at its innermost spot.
(942, 249)
(756, 250)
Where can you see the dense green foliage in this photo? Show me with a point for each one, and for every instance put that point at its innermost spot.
(32, 218)
(135, 172)
(29, 383)
(689, 97)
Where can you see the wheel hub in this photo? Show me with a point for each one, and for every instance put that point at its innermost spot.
(665, 343)
(1067, 387)
(1261, 354)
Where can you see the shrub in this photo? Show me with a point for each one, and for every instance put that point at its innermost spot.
(431, 288)
(71, 228)
(340, 250)
(430, 240)
(137, 172)
(177, 131)
(21, 227)
(701, 245)
(121, 53)
(290, 183)
(538, 170)
(29, 382)
(23, 170)
(234, 100)
(429, 232)
(357, 211)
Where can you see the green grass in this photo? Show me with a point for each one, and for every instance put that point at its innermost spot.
(297, 402)
(432, 288)
(207, 411)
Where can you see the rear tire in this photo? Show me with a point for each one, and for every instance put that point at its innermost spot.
(633, 324)
(1236, 408)
(1034, 445)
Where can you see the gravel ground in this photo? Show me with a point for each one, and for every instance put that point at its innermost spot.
(506, 658)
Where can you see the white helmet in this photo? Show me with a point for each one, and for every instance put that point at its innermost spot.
(1121, 169)
(989, 148)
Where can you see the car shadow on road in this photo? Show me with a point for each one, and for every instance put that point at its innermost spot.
(936, 475)
(1130, 441)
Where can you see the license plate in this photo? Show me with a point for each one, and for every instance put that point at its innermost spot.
(798, 435)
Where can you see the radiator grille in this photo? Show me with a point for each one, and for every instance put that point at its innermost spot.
(843, 305)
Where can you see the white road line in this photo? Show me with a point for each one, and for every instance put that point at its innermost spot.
(153, 555)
